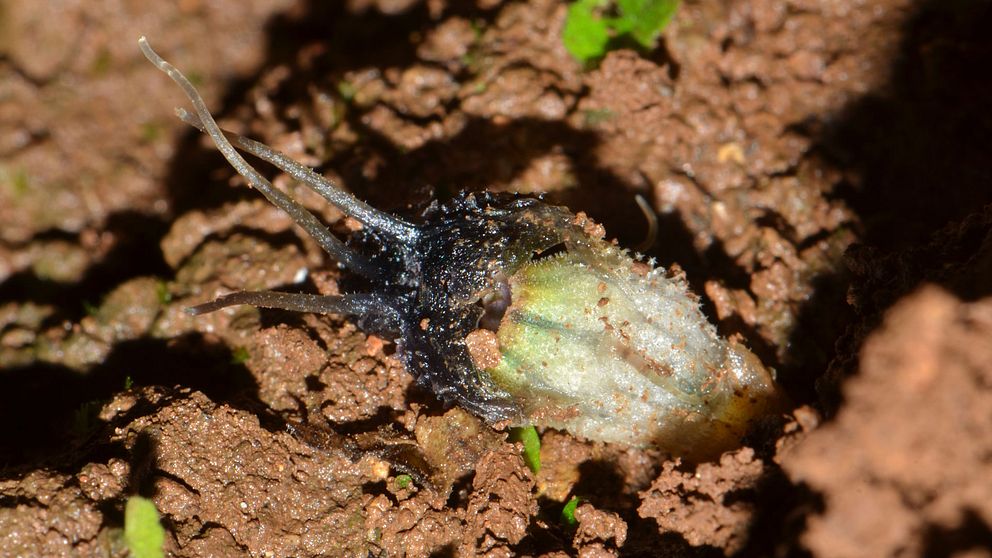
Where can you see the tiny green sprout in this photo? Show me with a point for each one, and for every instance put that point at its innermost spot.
(347, 90)
(143, 533)
(532, 446)
(162, 293)
(91, 309)
(594, 117)
(86, 418)
(150, 132)
(403, 481)
(240, 356)
(568, 512)
(593, 27)
(21, 183)
(128, 382)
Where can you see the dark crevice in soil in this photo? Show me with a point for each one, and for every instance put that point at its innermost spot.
(136, 253)
(918, 148)
(44, 430)
(918, 175)
(972, 533)
(144, 454)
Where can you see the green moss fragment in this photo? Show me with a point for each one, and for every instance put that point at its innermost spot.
(592, 118)
(86, 418)
(151, 132)
(91, 309)
(102, 63)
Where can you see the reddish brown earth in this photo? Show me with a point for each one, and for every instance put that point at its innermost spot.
(820, 171)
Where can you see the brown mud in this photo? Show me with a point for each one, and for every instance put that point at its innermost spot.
(820, 171)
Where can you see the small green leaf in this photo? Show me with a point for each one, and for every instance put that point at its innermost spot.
(128, 382)
(647, 18)
(143, 533)
(403, 481)
(162, 292)
(532, 446)
(589, 32)
(568, 512)
(585, 34)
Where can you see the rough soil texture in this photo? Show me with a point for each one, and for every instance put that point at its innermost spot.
(820, 172)
(927, 372)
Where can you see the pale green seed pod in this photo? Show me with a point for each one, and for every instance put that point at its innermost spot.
(587, 340)
(610, 349)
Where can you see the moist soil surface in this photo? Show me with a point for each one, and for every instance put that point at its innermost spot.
(820, 172)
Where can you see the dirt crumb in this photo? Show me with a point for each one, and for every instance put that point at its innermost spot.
(913, 439)
(216, 467)
(589, 226)
(501, 505)
(454, 443)
(708, 506)
(483, 347)
(413, 527)
(47, 515)
(600, 533)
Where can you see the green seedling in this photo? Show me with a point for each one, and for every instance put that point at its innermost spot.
(594, 27)
(403, 481)
(162, 293)
(240, 355)
(532, 446)
(85, 418)
(568, 512)
(347, 90)
(143, 533)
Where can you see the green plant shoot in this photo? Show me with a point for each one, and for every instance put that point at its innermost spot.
(593, 27)
(568, 512)
(143, 533)
(532, 446)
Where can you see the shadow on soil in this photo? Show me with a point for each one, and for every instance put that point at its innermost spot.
(49, 410)
(916, 154)
(136, 253)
